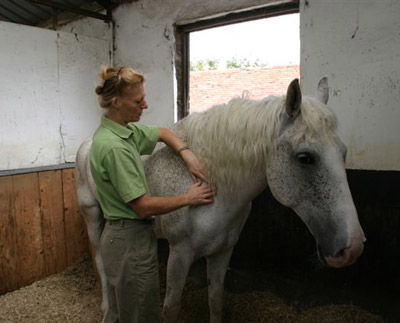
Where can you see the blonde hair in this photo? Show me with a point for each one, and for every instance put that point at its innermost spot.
(115, 82)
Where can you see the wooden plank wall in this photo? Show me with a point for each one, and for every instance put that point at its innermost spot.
(41, 229)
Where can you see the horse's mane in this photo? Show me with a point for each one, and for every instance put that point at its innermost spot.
(241, 135)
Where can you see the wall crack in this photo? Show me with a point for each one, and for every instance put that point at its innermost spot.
(62, 145)
(355, 32)
(37, 156)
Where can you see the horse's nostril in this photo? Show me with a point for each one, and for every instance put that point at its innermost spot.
(340, 254)
(345, 256)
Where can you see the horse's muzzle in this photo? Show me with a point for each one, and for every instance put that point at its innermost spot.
(346, 256)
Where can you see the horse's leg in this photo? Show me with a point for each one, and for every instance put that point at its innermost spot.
(95, 224)
(217, 266)
(177, 270)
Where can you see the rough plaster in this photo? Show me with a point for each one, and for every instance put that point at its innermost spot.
(144, 39)
(356, 44)
(79, 59)
(28, 88)
(89, 27)
(48, 103)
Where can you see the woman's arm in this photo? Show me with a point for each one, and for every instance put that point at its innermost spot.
(195, 166)
(146, 205)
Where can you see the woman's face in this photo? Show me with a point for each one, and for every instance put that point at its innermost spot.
(131, 105)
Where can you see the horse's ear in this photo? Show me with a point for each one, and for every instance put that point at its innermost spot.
(323, 90)
(293, 99)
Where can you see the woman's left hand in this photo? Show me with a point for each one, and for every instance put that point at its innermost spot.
(196, 167)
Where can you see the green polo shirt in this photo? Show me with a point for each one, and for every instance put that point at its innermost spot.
(116, 165)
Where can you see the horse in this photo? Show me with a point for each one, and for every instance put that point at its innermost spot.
(288, 143)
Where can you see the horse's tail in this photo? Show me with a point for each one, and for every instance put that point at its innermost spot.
(85, 187)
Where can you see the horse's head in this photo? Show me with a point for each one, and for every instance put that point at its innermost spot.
(307, 174)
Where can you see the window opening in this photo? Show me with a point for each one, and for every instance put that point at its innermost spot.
(183, 48)
(258, 58)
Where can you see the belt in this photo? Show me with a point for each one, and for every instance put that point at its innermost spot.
(121, 222)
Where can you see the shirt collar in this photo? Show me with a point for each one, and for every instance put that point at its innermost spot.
(116, 128)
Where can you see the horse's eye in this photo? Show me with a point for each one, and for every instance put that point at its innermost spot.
(305, 158)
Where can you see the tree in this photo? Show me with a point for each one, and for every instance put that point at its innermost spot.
(200, 65)
(244, 63)
(212, 64)
(233, 63)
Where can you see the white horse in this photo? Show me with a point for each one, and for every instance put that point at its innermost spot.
(288, 143)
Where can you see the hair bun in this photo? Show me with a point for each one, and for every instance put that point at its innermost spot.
(99, 90)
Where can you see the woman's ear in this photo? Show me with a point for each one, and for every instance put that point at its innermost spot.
(115, 104)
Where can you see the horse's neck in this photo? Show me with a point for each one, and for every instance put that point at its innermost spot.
(251, 188)
(240, 168)
(179, 128)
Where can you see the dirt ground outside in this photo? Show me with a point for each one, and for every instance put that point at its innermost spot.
(74, 296)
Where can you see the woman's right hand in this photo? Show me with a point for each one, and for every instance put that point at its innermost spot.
(199, 193)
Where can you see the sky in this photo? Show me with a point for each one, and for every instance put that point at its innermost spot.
(274, 41)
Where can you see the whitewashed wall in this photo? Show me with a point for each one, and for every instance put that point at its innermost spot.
(357, 45)
(144, 39)
(29, 107)
(79, 60)
(48, 105)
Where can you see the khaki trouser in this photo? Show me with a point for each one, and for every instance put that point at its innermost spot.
(129, 250)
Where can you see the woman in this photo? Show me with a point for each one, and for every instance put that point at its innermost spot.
(129, 246)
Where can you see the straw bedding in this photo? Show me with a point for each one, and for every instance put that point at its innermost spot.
(74, 296)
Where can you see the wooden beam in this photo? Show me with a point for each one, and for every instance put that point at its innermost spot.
(108, 6)
(9, 262)
(77, 10)
(28, 228)
(76, 238)
(53, 231)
